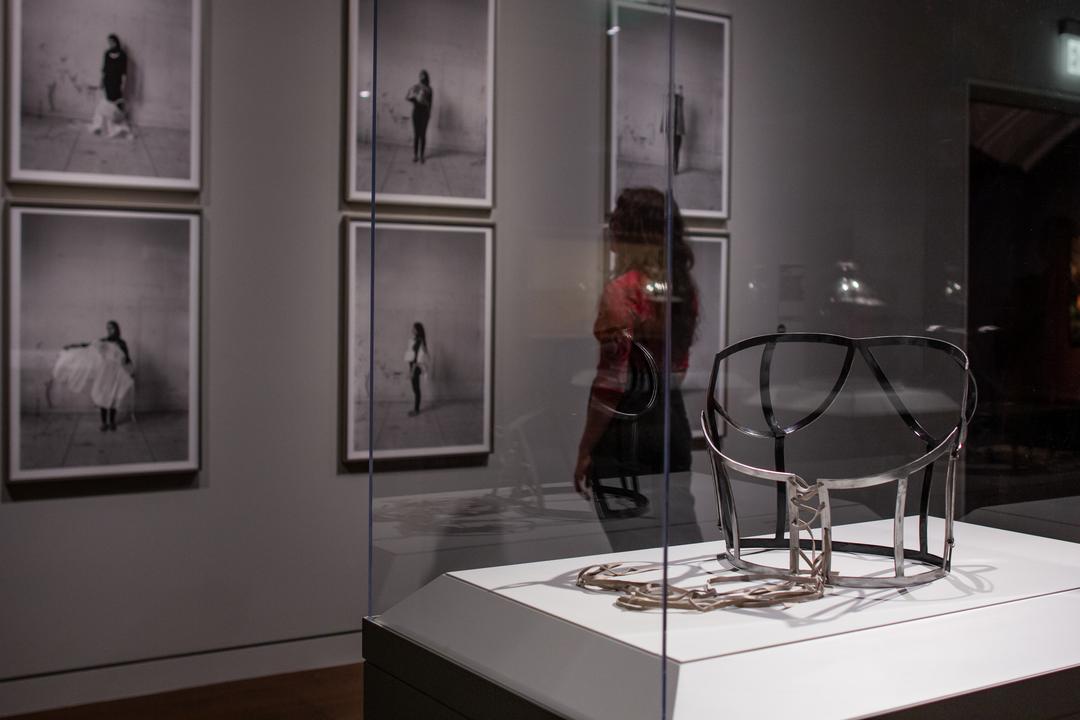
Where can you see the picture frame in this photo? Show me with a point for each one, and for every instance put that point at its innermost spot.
(441, 277)
(710, 273)
(638, 106)
(93, 113)
(457, 169)
(711, 269)
(127, 404)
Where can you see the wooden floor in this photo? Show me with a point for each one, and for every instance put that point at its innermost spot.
(328, 694)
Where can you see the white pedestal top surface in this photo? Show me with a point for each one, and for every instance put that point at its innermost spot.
(1010, 609)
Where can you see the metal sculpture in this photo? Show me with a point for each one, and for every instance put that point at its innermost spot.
(802, 503)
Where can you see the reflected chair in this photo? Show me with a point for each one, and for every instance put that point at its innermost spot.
(801, 501)
(640, 395)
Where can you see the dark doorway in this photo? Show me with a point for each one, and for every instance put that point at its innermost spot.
(1023, 457)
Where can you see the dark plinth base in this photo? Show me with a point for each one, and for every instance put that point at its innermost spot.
(404, 681)
(1047, 697)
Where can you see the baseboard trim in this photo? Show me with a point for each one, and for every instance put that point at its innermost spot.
(132, 679)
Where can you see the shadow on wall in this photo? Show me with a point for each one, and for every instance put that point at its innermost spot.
(89, 94)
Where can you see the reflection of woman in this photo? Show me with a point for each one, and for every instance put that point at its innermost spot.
(421, 96)
(416, 355)
(104, 365)
(633, 310)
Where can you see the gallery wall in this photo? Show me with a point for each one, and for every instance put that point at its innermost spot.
(449, 40)
(268, 545)
(61, 62)
(847, 144)
(115, 273)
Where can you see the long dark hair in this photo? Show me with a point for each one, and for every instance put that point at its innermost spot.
(639, 222)
(421, 336)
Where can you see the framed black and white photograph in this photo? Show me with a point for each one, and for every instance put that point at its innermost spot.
(700, 122)
(429, 371)
(433, 102)
(105, 92)
(711, 274)
(104, 343)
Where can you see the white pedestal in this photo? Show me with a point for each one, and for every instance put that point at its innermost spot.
(1009, 610)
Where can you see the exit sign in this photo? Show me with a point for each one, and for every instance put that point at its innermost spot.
(1072, 55)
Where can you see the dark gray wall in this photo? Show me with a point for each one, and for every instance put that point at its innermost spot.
(849, 142)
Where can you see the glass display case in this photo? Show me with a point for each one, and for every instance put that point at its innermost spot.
(684, 345)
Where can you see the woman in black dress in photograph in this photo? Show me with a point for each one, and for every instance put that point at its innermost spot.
(421, 96)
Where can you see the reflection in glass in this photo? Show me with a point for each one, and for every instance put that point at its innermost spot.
(851, 289)
(624, 431)
(1023, 460)
(693, 138)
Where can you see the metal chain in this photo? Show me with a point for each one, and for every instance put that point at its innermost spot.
(782, 587)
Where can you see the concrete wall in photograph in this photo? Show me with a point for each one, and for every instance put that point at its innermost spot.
(64, 41)
(448, 38)
(435, 278)
(643, 86)
(79, 272)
